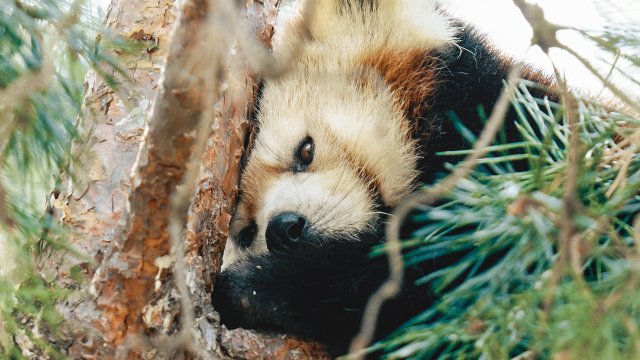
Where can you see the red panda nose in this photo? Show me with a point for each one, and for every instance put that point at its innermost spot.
(284, 230)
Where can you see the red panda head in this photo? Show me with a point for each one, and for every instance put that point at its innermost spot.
(334, 146)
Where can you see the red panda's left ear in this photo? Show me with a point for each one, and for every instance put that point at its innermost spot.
(395, 24)
(416, 24)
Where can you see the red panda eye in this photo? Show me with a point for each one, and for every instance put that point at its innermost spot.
(305, 151)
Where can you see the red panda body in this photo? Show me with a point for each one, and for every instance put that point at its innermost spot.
(343, 137)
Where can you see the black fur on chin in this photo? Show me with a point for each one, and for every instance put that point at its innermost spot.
(317, 290)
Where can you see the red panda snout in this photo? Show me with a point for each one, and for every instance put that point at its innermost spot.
(285, 230)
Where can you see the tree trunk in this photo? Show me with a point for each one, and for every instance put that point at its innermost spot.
(122, 210)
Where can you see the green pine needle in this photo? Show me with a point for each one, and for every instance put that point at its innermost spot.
(498, 299)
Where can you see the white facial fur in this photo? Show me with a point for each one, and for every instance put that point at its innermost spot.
(360, 134)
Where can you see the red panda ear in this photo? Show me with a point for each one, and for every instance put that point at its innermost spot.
(394, 24)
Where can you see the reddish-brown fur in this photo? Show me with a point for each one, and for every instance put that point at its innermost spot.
(410, 74)
(254, 179)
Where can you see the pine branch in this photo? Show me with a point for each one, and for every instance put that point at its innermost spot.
(523, 263)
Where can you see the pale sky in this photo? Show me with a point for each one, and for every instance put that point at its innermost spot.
(506, 26)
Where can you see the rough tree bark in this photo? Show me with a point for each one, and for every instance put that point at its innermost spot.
(120, 211)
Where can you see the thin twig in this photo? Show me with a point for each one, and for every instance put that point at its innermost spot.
(568, 232)
(544, 35)
(568, 249)
(614, 89)
(544, 32)
(393, 284)
(612, 69)
(621, 178)
(180, 202)
(259, 57)
(182, 196)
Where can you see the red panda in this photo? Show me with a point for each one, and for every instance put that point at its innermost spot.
(347, 133)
